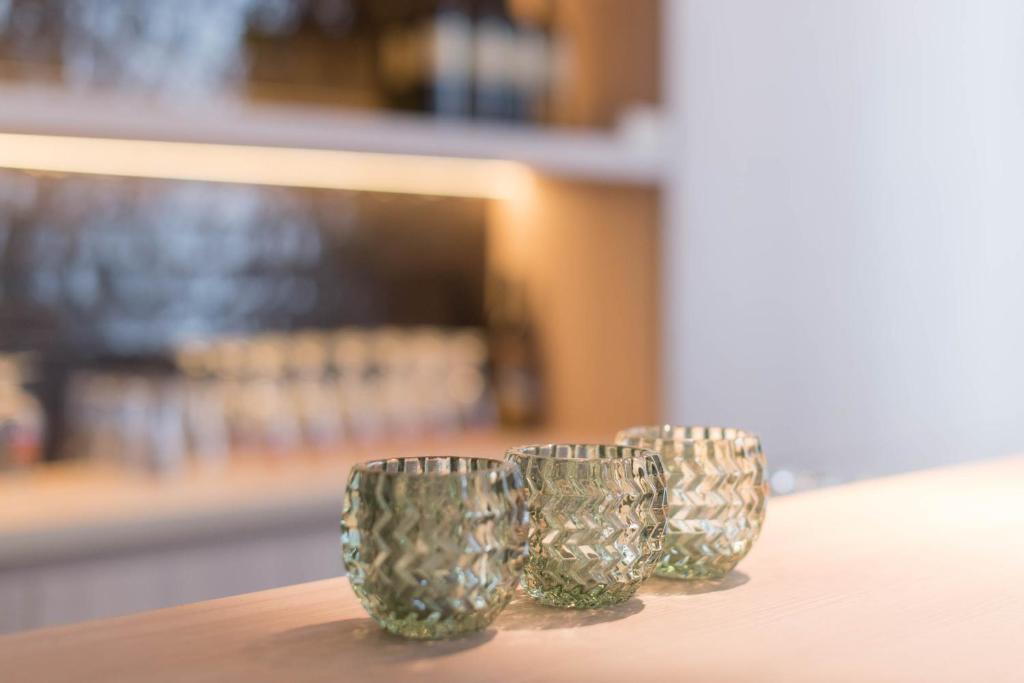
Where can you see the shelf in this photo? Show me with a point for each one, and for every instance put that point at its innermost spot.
(63, 511)
(611, 157)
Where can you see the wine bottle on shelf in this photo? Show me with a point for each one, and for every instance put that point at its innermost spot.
(401, 57)
(450, 56)
(515, 356)
(534, 59)
(494, 68)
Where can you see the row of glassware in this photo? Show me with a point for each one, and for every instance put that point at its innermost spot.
(436, 546)
(281, 392)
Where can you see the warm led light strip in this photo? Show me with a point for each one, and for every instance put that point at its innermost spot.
(288, 167)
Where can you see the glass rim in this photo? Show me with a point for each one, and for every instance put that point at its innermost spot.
(592, 451)
(387, 466)
(675, 433)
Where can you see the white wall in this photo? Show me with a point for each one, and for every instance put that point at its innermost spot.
(844, 257)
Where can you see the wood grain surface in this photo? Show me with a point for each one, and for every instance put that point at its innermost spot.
(909, 578)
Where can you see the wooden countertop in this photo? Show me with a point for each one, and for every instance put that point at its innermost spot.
(909, 578)
(67, 511)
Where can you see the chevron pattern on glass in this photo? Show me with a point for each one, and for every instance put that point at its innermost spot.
(716, 500)
(434, 546)
(597, 521)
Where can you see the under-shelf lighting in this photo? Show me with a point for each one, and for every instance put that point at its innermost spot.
(287, 167)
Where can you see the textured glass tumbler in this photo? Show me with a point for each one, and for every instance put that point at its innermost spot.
(434, 547)
(716, 498)
(597, 520)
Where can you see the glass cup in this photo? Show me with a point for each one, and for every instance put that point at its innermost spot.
(597, 521)
(716, 500)
(434, 546)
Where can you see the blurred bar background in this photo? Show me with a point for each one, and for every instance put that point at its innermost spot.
(114, 275)
(246, 243)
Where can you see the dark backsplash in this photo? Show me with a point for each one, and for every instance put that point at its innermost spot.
(100, 272)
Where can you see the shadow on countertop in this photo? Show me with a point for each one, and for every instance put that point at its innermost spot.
(523, 614)
(659, 586)
(335, 640)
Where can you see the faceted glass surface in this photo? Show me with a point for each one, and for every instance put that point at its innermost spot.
(716, 499)
(597, 520)
(434, 546)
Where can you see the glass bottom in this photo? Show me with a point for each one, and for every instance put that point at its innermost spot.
(700, 568)
(579, 597)
(691, 573)
(395, 616)
(420, 630)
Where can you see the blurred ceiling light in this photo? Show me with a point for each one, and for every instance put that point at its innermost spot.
(287, 167)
